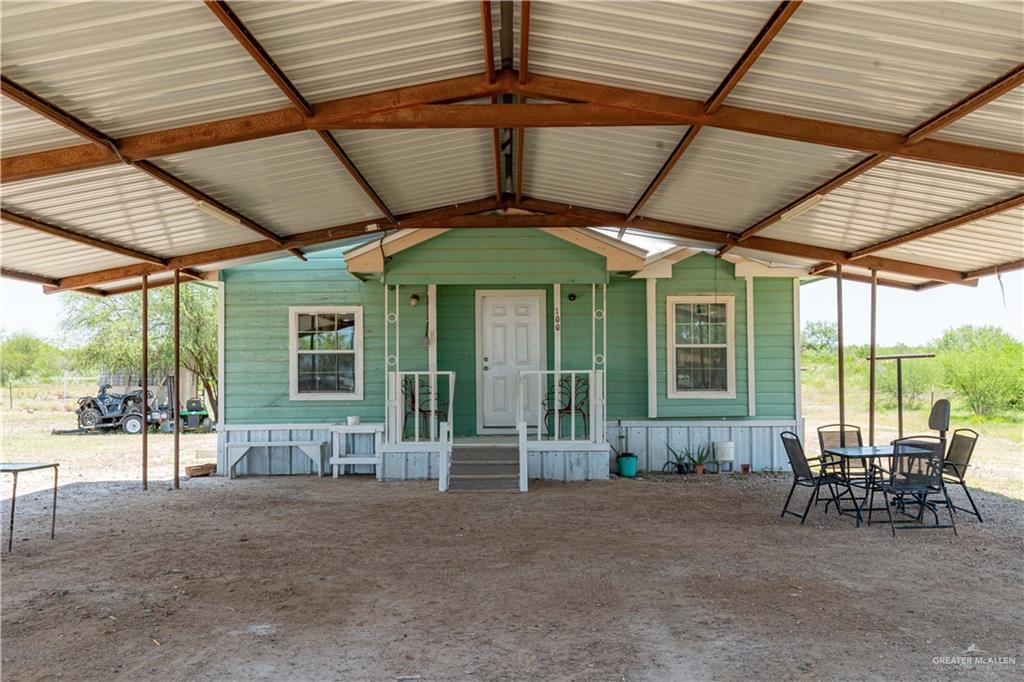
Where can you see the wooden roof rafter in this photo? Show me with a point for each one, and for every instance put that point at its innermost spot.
(100, 140)
(761, 41)
(247, 40)
(915, 137)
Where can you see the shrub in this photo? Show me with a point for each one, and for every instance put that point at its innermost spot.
(986, 372)
(920, 377)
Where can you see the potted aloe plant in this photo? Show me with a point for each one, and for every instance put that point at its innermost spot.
(676, 461)
(698, 456)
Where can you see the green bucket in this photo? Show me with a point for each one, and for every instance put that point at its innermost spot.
(627, 465)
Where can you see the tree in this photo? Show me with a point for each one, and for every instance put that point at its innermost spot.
(821, 336)
(985, 367)
(25, 357)
(107, 332)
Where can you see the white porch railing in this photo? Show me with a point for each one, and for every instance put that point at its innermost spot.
(562, 406)
(418, 404)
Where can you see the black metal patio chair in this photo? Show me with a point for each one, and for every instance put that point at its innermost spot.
(807, 473)
(938, 418)
(844, 436)
(560, 401)
(421, 409)
(914, 475)
(954, 468)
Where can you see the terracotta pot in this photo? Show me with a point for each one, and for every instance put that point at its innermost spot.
(698, 469)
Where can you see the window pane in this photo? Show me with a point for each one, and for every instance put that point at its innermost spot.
(307, 383)
(326, 363)
(306, 341)
(717, 312)
(326, 383)
(684, 313)
(346, 331)
(306, 323)
(685, 334)
(347, 372)
(717, 333)
(307, 363)
(701, 369)
(325, 322)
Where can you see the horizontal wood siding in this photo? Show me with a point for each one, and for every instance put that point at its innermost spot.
(627, 349)
(486, 256)
(256, 302)
(706, 275)
(773, 350)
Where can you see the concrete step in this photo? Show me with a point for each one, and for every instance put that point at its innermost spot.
(502, 485)
(478, 454)
(484, 469)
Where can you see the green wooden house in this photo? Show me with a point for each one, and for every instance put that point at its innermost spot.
(556, 347)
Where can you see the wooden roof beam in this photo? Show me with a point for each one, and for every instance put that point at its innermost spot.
(262, 58)
(608, 105)
(105, 142)
(262, 247)
(779, 17)
(995, 269)
(48, 283)
(78, 237)
(864, 279)
(941, 226)
(915, 137)
(488, 36)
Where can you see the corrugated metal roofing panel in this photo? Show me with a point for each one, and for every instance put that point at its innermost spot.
(129, 67)
(891, 199)
(888, 65)
(729, 180)
(340, 49)
(288, 184)
(671, 48)
(36, 253)
(24, 131)
(999, 123)
(125, 206)
(994, 240)
(414, 170)
(606, 168)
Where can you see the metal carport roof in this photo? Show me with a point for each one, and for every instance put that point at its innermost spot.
(140, 138)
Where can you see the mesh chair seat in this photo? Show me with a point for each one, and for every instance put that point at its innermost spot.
(915, 475)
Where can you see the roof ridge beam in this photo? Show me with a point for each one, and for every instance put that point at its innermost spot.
(79, 237)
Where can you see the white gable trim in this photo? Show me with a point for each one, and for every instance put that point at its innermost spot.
(620, 257)
(660, 265)
(370, 256)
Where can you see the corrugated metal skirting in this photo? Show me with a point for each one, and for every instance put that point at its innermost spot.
(285, 461)
(757, 443)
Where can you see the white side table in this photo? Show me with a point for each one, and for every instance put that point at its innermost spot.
(340, 456)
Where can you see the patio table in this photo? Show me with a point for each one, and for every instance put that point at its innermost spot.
(869, 452)
(14, 469)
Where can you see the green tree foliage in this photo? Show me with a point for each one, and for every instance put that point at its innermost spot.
(820, 336)
(107, 332)
(921, 376)
(984, 366)
(25, 357)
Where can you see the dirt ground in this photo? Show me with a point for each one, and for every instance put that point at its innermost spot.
(664, 578)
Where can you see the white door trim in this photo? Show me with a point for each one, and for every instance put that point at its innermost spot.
(542, 308)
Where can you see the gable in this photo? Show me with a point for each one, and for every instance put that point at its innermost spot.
(495, 256)
(616, 256)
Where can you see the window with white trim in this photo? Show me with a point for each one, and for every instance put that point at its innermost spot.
(701, 347)
(325, 352)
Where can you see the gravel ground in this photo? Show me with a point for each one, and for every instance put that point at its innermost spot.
(655, 579)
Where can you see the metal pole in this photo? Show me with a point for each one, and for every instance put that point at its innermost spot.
(145, 381)
(842, 357)
(176, 403)
(899, 395)
(871, 358)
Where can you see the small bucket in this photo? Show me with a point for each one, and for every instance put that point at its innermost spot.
(627, 465)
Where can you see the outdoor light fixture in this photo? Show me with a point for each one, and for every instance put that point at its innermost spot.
(218, 212)
(372, 227)
(802, 208)
(414, 300)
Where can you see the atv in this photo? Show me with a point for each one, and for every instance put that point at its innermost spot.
(111, 410)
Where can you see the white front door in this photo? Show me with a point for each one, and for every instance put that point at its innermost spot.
(511, 339)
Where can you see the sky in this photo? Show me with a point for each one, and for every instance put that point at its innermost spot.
(910, 317)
